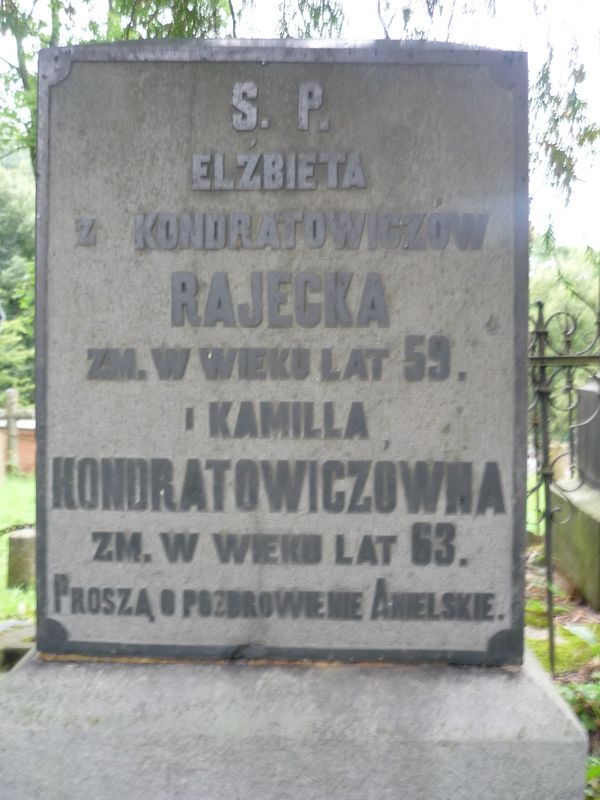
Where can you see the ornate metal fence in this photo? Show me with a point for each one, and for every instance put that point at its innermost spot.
(560, 362)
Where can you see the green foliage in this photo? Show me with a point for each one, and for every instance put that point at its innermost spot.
(62, 23)
(17, 501)
(18, 96)
(584, 698)
(17, 507)
(17, 241)
(535, 508)
(566, 129)
(535, 613)
(413, 12)
(17, 282)
(593, 777)
(567, 282)
(306, 19)
(17, 116)
(562, 128)
(572, 652)
(17, 602)
(161, 19)
(17, 360)
(588, 634)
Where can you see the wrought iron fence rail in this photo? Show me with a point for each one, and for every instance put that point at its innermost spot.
(571, 360)
(552, 357)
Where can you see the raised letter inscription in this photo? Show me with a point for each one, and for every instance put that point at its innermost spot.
(279, 352)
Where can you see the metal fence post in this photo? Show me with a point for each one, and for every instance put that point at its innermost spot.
(543, 394)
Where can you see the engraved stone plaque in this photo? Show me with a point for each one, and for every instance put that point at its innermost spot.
(281, 351)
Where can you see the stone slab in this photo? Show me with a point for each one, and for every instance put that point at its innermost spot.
(576, 537)
(183, 732)
(346, 228)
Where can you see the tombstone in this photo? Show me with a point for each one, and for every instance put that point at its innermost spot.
(295, 354)
(588, 438)
(577, 530)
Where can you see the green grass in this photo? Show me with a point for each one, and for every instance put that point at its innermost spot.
(18, 603)
(593, 777)
(536, 615)
(17, 507)
(571, 651)
(17, 501)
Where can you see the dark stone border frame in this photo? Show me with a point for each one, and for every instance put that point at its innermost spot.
(509, 70)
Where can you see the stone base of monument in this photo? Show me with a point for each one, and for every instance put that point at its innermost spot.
(242, 732)
(577, 537)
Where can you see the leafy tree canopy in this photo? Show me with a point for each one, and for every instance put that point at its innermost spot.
(17, 241)
(561, 127)
(567, 281)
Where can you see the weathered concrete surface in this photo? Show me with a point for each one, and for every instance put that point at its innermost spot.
(186, 732)
(577, 538)
(442, 137)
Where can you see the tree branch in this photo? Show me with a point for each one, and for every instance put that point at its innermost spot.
(131, 21)
(232, 12)
(15, 150)
(12, 66)
(450, 20)
(55, 23)
(22, 63)
(386, 32)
